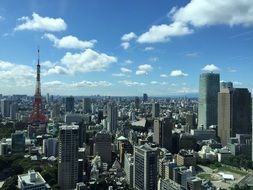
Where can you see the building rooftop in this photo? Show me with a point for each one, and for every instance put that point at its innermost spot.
(31, 178)
(69, 127)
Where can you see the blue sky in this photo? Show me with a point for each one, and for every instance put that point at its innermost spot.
(124, 47)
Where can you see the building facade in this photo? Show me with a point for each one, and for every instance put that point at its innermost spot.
(209, 86)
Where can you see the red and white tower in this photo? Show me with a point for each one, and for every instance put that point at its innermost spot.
(37, 117)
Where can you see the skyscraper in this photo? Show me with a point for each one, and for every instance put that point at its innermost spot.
(163, 132)
(86, 105)
(5, 107)
(209, 86)
(70, 104)
(18, 142)
(68, 157)
(234, 113)
(145, 167)
(145, 97)
(112, 117)
(155, 109)
(103, 146)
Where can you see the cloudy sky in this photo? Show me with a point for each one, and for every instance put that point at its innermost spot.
(124, 47)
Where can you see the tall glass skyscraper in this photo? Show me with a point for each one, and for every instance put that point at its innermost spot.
(209, 86)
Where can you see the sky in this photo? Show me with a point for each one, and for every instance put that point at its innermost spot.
(124, 48)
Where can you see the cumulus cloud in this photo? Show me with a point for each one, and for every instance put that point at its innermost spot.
(163, 33)
(70, 42)
(16, 74)
(125, 70)
(153, 82)
(58, 70)
(129, 36)
(206, 13)
(118, 74)
(178, 73)
(128, 61)
(200, 13)
(163, 75)
(125, 45)
(86, 61)
(38, 23)
(237, 83)
(91, 84)
(211, 68)
(144, 69)
(149, 48)
(132, 83)
(78, 84)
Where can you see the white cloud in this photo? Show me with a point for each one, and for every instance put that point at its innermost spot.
(231, 70)
(125, 70)
(125, 45)
(38, 23)
(87, 61)
(91, 84)
(58, 70)
(153, 59)
(163, 33)
(2, 18)
(200, 13)
(178, 73)
(149, 48)
(192, 54)
(128, 61)
(118, 74)
(211, 68)
(47, 64)
(237, 83)
(70, 42)
(16, 74)
(187, 90)
(53, 83)
(153, 82)
(206, 13)
(144, 69)
(128, 37)
(163, 75)
(132, 83)
(84, 83)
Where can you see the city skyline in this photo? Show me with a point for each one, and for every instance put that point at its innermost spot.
(158, 48)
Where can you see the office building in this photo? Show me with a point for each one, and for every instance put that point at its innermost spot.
(186, 158)
(5, 107)
(137, 102)
(234, 111)
(168, 184)
(50, 147)
(82, 133)
(163, 132)
(145, 97)
(18, 142)
(70, 103)
(209, 86)
(68, 157)
(129, 168)
(32, 181)
(155, 109)
(103, 147)
(86, 105)
(13, 110)
(112, 117)
(194, 183)
(145, 167)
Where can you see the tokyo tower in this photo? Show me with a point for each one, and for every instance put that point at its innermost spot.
(37, 117)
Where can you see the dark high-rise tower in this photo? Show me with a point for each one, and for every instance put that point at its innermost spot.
(37, 116)
(209, 86)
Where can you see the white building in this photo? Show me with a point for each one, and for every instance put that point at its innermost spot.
(32, 181)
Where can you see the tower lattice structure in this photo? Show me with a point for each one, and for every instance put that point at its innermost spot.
(37, 116)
